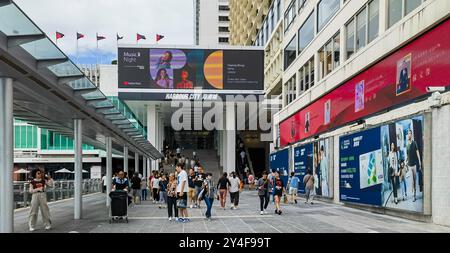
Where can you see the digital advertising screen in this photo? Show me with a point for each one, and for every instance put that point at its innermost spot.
(169, 73)
(382, 166)
(400, 78)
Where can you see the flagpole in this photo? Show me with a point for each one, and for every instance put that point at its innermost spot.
(77, 50)
(96, 37)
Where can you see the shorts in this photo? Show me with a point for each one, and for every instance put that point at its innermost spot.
(184, 199)
(136, 193)
(279, 192)
(293, 190)
(192, 193)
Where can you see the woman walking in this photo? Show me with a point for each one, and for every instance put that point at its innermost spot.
(172, 197)
(223, 186)
(209, 194)
(393, 171)
(278, 191)
(308, 181)
(162, 190)
(39, 199)
(263, 193)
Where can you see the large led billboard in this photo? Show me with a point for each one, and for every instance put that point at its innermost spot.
(171, 73)
(400, 78)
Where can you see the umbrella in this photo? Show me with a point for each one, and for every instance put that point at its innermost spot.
(64, 170)
(21, 171)
(84, 171)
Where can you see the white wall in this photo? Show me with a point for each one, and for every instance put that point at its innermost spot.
(109, 80)
(209, 22)
(440, 166)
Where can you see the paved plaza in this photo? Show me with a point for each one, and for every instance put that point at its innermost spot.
(301, 218)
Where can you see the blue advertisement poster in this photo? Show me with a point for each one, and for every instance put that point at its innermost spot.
(383, 166)
(303, 159)
(280, 162)
(361, 168)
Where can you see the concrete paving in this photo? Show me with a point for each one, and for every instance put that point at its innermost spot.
(300, 218)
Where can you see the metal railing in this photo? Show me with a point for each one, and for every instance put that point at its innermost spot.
(62, 189)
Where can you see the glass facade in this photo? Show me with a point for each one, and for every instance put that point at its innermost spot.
(26, 137)
(306, 33)
(325, 11)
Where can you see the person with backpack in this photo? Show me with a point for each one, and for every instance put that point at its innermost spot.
(263, 192)
(293, 187)
(308, 181)
(208, 193)
(39, 199)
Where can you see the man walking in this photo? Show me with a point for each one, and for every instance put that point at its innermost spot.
(293, 187)
(234, 190)
(182, 192)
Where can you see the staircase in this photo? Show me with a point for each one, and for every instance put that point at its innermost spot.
(208, 159)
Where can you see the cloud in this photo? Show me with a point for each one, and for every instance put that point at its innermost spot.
(171, 18)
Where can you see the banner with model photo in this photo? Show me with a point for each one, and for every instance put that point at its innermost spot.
(382, 166)
(313, 158)
(399, 78)
(175, 73)
(279, 161)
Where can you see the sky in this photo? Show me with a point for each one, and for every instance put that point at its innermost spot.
(171, 18)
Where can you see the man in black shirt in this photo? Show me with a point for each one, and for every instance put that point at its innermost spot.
(198, 181)
(136, 187)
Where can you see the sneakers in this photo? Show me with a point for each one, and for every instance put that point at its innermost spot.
(279, 212)
(180, 219)
(262, 213)
(170, 218)
(48, 227)
(177, 219)
(232, 207)
(209, 219)
(295, 201)
(191, 206)
(32, 229)
(265, 212)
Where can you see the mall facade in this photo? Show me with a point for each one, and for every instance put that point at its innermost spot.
(365, 92)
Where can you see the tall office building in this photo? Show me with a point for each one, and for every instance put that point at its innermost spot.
(246, 19)
(211, 22)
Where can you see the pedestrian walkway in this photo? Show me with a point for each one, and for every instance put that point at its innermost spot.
(300, 218)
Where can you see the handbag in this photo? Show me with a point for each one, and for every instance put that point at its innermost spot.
(201, 195)
(181, 203)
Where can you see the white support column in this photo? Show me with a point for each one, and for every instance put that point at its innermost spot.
(231, 137)
(151, 130)
(125, 159)
(224, 151)
(108, 169)
(78, 151)
(136, 164)
(6, 155)
(144, 167)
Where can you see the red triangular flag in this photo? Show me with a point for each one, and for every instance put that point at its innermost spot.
(80, 36)
(159, 37)
(140, 37)
(59, 35)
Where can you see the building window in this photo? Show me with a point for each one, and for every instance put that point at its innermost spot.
(272, 20)
(350, 28)
(289, 15)
(325, 11)
(223, 40)
(290, 53)
(278, 10)
(361, 21)
(224, 29)
(224, 8)
(363, 28)
(301, 4)
(306, 76)
(400, 8)
(306, 33)
(224, 18)
(329, 56)
(374, 19)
